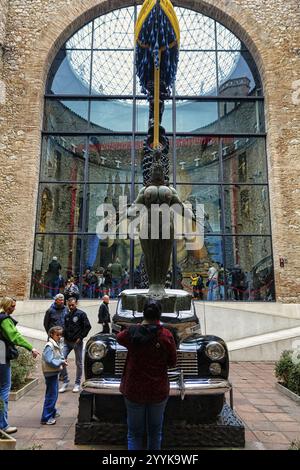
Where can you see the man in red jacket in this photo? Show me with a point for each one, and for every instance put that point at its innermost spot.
(145, 384)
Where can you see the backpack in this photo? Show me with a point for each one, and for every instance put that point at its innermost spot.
(11, 350)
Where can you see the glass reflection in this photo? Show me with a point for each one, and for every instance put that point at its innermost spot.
(244, 160)
(196, 116)
(197, 73)
(249, 268)
(247, 209)
(67, 249)
(114, 161)
(60, 207)
(111, 116)
(66, 116)
(142, 115)
(197, 159)
(243, 78)
(108, 194)
(63, 158)
(240, 116)
(65, 79)
(200, 265)
(112, 72)
(105, 267)
(109, 156)
(205, 199)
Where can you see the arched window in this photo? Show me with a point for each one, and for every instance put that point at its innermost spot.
(95, 122)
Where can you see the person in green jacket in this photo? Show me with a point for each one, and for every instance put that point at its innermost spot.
(9, 337)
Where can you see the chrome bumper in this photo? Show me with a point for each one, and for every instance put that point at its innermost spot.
(180, 387)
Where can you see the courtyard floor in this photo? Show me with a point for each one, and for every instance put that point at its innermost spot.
(272, 421)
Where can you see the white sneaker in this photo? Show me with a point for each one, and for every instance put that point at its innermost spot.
(76, 388)
(63, 388)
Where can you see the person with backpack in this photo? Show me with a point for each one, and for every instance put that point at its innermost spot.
(145, 383)
(53, 274)
(52, 364)
(238, 282)
(71, 290)
(9, 339)
(200, 286)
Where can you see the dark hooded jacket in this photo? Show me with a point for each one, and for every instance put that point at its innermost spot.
(55, 316)
(151, 350)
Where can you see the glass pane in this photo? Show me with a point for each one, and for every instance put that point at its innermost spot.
(66, 116)
(63, 158)
(238, 74)
(196, 116)
(110, 156)
(247, 209)
(45, 281)
(197, 74)
(249, 268)
(111, 115)
(204, 259)
(197, 159)
(115, 30)
(112, 72)
(82, 39)
(206, 200)
(139, 144)
(244, 160)
(240, 116)
(142, 112)
(197, 31)
(108, 194)
(70, 73)
(140, 278)
(60, 208)
(226, 39)
(99, 257)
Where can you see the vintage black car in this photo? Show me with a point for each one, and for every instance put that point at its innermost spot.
(197, 384)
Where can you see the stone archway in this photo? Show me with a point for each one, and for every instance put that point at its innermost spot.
(35, 32)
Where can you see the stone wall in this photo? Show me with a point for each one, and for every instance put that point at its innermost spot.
(34, 32)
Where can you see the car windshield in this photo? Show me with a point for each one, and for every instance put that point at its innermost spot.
(181, 314)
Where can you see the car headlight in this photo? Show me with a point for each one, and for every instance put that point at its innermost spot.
(215, 351)
(215, 368)
(97, 368)
(97, 350)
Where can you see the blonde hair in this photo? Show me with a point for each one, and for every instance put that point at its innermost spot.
(5, 303)
(55, 329)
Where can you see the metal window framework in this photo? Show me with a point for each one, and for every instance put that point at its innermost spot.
(134, 134)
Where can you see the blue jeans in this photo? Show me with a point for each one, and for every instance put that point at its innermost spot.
(51, 395)
(140, 416)
(54, 287)
(91, 291)
(68, 347)
(115, 287)
(212, 290)
(5, 384)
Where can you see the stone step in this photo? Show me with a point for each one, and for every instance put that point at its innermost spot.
(267, 347)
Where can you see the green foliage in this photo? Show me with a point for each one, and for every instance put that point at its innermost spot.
(295, 445)
(284, 366)
(293, 382)
(1, 404)
(21, 369)
(287, 372)
(34, 447)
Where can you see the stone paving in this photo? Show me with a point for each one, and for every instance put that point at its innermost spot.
(272, 420)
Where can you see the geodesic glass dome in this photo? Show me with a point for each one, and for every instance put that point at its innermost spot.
(112, 36)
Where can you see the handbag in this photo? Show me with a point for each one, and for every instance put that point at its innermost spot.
(11, 352)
